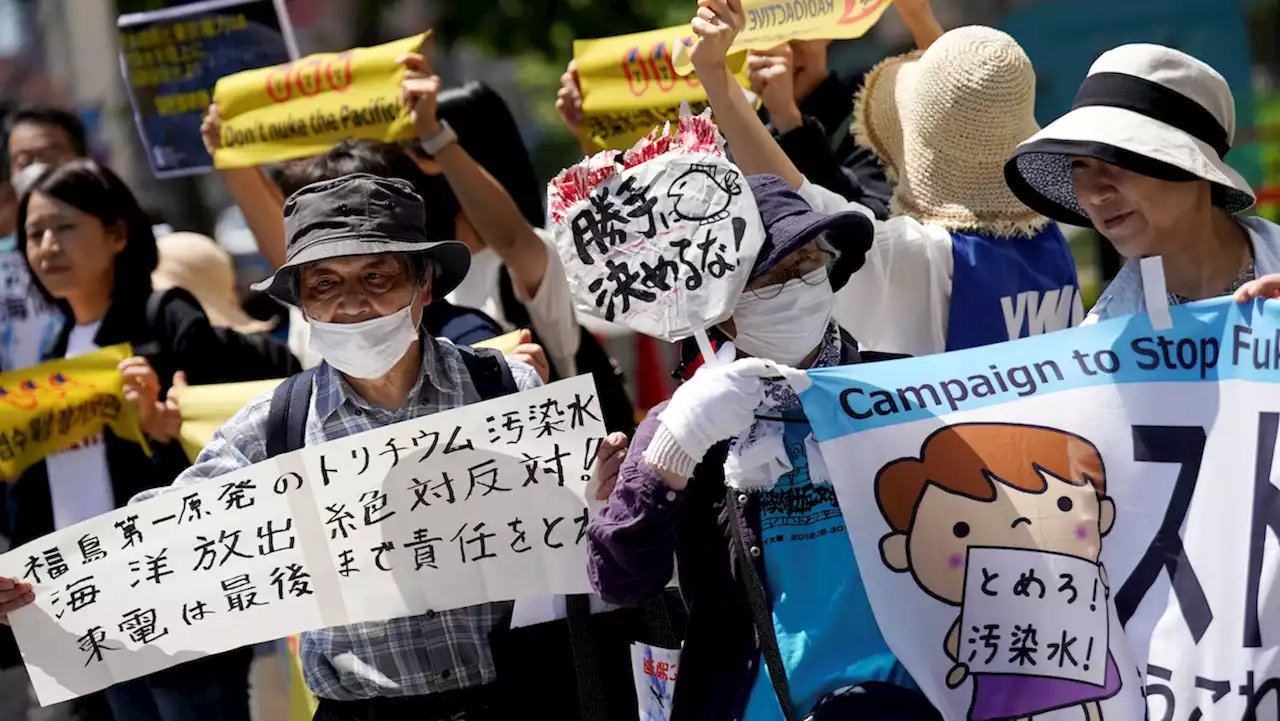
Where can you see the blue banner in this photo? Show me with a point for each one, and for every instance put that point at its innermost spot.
(1210, 340)
(1073, 525)
(172, 58)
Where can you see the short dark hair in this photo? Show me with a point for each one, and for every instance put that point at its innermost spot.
(94, 189)
(39, 114)
(488, 132)
(384, 160)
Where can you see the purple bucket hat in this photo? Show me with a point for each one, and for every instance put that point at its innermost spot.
(790, 223)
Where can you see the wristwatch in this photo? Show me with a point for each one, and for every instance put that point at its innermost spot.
(440, 140)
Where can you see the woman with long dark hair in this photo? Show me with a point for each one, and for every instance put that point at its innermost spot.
(91, 252)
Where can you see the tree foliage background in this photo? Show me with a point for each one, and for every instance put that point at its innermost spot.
(539, 34)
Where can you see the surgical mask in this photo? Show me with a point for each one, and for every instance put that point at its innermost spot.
(785, 328)
(368, 349)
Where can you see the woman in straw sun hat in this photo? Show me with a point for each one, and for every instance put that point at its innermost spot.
(196, 264)
(1140, 157)
(943, 122)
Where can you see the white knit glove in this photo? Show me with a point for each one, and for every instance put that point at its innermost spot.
(716, 404)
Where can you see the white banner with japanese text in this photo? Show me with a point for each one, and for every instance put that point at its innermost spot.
(478, 504)
(1078, 525)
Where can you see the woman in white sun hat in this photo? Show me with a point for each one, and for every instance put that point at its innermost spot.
(963, 263)
(1140, 157)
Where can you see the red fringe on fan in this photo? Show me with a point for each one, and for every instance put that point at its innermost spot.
(694, 135)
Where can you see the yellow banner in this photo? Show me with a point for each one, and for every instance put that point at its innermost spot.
(632, 83)
(504, 344)
(302, 703)
(205, 408)
(52, 406)
(303, 108)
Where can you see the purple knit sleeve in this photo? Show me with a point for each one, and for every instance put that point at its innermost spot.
(631, 550)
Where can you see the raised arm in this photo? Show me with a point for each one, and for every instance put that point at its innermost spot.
(569, 106)
(257, 197)
(488, 207)
(918, 16)
(754, 149)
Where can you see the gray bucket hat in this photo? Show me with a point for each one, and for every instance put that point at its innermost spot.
(360, 214)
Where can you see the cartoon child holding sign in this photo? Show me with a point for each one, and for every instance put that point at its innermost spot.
(1006, 521)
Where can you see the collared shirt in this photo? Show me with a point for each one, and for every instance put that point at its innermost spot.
(1125, 295)
(413, 656)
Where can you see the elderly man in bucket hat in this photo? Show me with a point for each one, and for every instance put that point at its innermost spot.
(360, 267)
(726, 459)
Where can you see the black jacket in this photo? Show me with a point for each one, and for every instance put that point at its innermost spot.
(824, 151)
(181, 339)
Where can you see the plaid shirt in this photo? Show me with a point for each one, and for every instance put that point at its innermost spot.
(413, 656)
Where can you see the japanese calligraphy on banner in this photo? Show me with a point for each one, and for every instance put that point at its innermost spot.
(482, 503)
(663, 239)
(52, 406)
(302, 108)
(631, 83)
(172, 58)
(1048, 527)
(655, 670)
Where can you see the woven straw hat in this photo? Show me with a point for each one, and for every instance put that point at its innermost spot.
(196, 264)
(944, 122)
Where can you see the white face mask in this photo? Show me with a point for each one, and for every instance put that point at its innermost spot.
(785, 328)
(368, 349)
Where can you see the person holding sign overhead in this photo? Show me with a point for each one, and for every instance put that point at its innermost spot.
(730, 456)
(943, 121)
(1140, 158)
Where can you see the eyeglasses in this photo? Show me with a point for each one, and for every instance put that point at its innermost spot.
(798, 273)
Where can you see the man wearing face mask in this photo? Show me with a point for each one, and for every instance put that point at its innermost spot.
(361, 269)
(731, 456)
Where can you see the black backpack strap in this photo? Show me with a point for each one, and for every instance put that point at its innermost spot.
(761, 616)
(489, 371)
(287, 419)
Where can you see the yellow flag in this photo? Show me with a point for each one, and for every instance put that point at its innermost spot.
(303, 108)
(633, 83)
(50, 407)
(504, 344)
(205, 408)
(630, 86)
(302, 703)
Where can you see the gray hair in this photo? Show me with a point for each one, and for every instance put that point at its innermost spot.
(829, 250)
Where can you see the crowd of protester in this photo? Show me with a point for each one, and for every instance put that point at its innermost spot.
(902, 212)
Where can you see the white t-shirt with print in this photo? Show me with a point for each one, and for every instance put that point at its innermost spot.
(79, 480)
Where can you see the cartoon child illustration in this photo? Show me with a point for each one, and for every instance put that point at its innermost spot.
(1004, 486)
